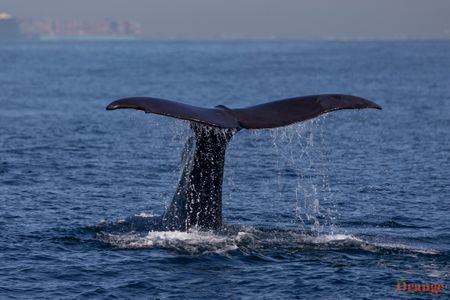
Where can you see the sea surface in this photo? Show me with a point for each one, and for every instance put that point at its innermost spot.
(342, 207)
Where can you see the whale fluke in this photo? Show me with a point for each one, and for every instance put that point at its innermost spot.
(219, 116)
(289, 111)
(268, 115)
(198, 198)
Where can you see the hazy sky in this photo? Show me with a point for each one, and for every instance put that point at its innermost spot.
(258, 19)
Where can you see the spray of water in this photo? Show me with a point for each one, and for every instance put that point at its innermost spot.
(302, 172)
(293, 160)
(291, 166)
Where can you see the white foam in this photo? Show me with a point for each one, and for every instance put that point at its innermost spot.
(372, 246)
(439, 274)
(328, 238)
(206, 242)
(192, 242)
(146, 215)
(397, 246)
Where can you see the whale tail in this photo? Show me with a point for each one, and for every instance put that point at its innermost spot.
(198, 198)
(268, 115)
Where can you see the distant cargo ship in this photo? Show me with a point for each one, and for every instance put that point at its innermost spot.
(54, 30)
(87, 38)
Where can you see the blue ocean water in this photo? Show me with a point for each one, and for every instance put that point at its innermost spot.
(341, 207)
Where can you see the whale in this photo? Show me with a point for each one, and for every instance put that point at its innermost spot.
(197, 200)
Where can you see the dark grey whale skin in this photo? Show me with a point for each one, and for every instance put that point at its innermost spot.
(198, 198)
(197, 202)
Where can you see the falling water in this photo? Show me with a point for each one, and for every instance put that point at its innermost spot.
(301, 156)
(291, 167)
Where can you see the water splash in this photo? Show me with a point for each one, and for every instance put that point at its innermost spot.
(293, 160)
(249, 239)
